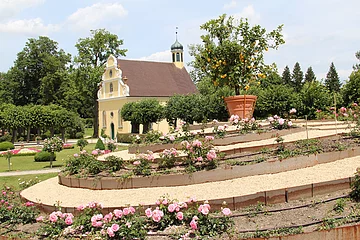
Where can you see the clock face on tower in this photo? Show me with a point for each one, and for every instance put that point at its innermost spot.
(110, 73)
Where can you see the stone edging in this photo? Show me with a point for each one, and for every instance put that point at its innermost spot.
(269, 167)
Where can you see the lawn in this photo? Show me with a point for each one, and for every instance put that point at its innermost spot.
(88, 132)
(13, 181)
(22, 163)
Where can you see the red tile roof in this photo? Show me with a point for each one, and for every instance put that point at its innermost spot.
(155, 79)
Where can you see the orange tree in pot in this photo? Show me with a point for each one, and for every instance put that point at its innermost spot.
(232, 54)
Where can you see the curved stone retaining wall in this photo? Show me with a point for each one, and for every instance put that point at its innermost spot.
(268, 167)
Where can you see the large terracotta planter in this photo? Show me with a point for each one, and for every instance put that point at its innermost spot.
(241, 105)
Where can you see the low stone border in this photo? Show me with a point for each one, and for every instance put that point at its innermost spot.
(269, 167)
(229, 140)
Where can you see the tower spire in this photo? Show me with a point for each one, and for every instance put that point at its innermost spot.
(177, 51)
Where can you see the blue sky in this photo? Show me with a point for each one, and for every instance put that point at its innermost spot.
(316, 32)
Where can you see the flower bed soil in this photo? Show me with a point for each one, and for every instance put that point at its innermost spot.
(255, 219)
(241, 165)
(231, 138)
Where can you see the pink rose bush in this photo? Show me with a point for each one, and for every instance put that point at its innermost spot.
(244, 125)
(199, 154)
(168, 158)
(220, 131)
(279, 123)
(197, 217)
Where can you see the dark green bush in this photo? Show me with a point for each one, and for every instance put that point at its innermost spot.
(123, 137)
(100, 145)
(6, 146)
(355, 186)
(44, 157)
(6, 138)
(114, 163)
(79, 135)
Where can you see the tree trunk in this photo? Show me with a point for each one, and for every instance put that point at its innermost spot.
(96, 120)
(63, 134)
(13, 135)
(28, 134)
(146, 127)
(52, 130)
(135, 128)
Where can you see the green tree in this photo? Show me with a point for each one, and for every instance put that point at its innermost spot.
(232, 53)
(357, 65)
(35, 64)
(297, 77)
(351, 89)
(144, 112)
(93, 52)
(314, 96)
(332, 80)
(310, 75)
(286, 76)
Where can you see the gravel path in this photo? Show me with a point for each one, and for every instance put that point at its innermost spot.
(49, 192)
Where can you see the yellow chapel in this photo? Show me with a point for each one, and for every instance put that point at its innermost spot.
(126, 81)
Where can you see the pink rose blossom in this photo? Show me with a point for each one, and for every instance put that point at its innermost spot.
(40, 219)
(193, 224)
(68, 220)
(292, 111)
(180, 216)
(199, 159)
(29, 204)
(148, 212)
(118, 213)
(136, 163)
(281, 121)
(171, 207)
(211, 155)
(355, 104)
(94, 152)
(126, 211)
(209, 138)
(270, 119)
(80, 208)
(165, 201)
(110, 232)
(290, 123)
(226, 211)
(115, 227)
(196, 143)
(108, 217)
(342, 109)
(132, 210)
(53, 217)
(157, 215)
(76, 155)
(172, 138)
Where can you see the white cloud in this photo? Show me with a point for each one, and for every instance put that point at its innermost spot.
(249, 13)
(28, 26)
(9, 8)
(164, 56)
(90, 17)
(230, 5)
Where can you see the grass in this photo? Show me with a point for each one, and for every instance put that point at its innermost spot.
(13, 181)
(23, 163)
(88, 132)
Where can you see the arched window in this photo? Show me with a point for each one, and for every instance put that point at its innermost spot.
(178, 57)
(104, 119)
(120, 120)
(111, 88)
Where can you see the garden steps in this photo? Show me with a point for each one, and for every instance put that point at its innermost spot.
(246, 187)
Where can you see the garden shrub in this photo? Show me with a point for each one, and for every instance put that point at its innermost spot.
(114, 163)
(355, 186)
(6, 146)
(44, 157)
(5, 138)
(123, 137)
(79, 135)
(81, 143)
(111, 146)
(100, 145)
